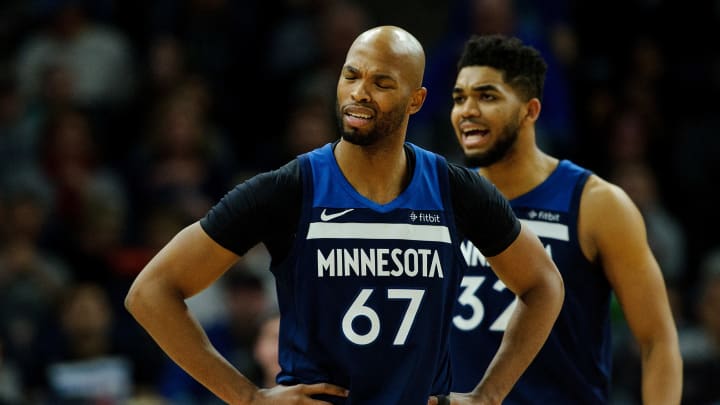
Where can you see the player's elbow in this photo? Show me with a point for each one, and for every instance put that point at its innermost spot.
(552, 288)
(547, 290)
(138, 299)
(132, 299)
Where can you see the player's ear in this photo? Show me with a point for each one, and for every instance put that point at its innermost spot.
(532, 109)
(417, 99)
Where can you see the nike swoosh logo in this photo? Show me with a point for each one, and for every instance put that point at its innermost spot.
(327, 217)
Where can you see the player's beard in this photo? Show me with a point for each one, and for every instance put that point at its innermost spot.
(499, 150)
(385, 124)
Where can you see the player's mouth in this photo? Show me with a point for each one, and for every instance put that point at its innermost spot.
(473, 135)
(356, 116)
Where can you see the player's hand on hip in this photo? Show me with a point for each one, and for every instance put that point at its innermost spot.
(456, 399)
(300, 394)
(439, 400)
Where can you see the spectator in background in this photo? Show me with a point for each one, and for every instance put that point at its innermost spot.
(645, 95)
(18, 133)
(97, 57)
(84, 363)
(11, 387)
(184, 161)
(56, 94)
(310, 124)
(22, 119)
(85, 359)
(166, 69)
(700, 342)
(265, 349)
(82, 182)
(32, 279)
(208, 33)
(75, 57)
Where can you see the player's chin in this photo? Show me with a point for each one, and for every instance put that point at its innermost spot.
(473, 154)
(356, 137)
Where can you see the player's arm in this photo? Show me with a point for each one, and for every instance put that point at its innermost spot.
(527, 270)
(617, 232)
(188, 264)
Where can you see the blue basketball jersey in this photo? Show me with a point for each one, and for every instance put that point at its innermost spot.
(366, 292)
(574, 365)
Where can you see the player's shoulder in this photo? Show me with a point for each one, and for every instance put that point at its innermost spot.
(601, 190)
(290, 169)
(604, 199)
(282, 179)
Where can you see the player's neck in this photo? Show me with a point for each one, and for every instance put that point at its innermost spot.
(520, 171)
(379, 173)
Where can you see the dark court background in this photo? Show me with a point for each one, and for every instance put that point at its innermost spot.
(121, 122)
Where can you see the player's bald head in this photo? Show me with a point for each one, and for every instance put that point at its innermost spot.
(395, 45)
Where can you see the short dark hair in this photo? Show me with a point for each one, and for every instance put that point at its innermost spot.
(522, 65)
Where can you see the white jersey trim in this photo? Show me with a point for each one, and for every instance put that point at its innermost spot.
(354, 230)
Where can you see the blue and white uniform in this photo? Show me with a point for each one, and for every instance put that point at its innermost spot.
(366, 294)
(574, 365)
(366, 291)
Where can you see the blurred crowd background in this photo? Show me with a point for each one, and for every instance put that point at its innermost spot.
(123, 121)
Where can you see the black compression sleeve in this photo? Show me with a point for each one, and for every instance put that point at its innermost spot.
(265, 208)
(482, 214)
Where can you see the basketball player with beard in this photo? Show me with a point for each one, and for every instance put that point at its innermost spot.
(590, 227)
(364, 235)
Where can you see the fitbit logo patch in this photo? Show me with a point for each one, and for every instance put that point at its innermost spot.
(424, 217)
